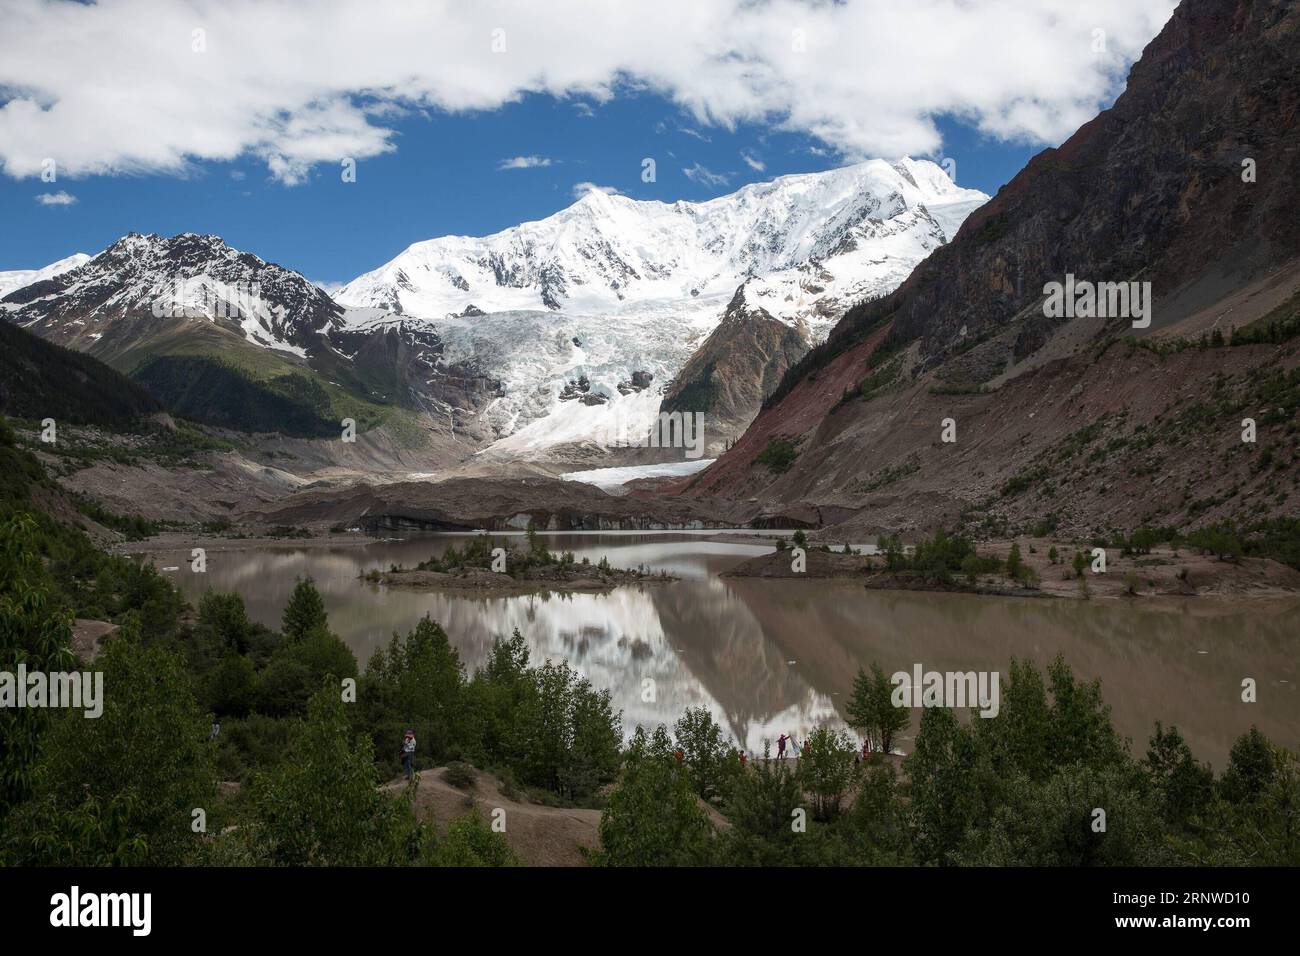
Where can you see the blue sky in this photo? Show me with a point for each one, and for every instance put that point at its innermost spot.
(232, 118)
(442, 178)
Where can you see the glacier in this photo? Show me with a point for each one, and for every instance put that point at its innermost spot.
(611, 286)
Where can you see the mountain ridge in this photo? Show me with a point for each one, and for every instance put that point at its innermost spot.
(1153, 190)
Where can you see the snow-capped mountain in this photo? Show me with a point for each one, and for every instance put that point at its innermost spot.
(101, 303)
(577, 312)
(607, 251)
(17, 278)
(150, 304)
(547, 334)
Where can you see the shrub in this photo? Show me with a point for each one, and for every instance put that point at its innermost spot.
(779, 455)
(460, 775)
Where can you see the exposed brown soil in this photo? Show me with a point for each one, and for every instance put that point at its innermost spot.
(819, 565)
(169, 542)
(539, 835)
(879, 465)
(228, 485)
(492, 504)
(1162, 573)
(87, 636)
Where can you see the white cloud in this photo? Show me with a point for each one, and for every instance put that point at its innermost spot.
(116, 87)
(581, 189)
(752, 161)
(705, 176)
(524, 162)
(60, 198)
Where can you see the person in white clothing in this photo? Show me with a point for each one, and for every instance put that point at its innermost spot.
(408, 754)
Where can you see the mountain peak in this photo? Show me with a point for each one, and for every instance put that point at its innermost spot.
(609, 251)
(188, 275)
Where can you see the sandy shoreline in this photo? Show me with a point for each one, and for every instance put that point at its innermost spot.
(171, 542)
(1163, 573)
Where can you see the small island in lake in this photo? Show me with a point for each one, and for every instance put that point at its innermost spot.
(486, 565)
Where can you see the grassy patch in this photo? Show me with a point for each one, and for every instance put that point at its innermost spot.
(779, 455)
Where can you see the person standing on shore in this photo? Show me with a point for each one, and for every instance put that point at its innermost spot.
(408, 753)
(780, 747)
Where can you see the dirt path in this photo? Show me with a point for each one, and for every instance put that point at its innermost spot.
(87, 636)
(539, 835)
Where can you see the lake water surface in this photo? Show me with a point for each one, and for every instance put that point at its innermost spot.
(774, 656)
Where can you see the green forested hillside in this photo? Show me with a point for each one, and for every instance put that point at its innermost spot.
(39, 379)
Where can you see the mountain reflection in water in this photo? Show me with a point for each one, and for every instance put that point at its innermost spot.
(728, 643)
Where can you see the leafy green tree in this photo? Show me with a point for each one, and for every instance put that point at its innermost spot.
(827, 770)
(597, 742)
(230, 688)
(1266, 829)
(872, 712)
(470, 841)
(224, 618)
(34, 631)
(1184, 786)
(1056, 823)
(761, 807)
(709, 760)
(297, 669)
(416, 682)
(536, 547)
(654, 817)
(1252, 763)
(283, 686)
(120, 789)
(567, 735)
(494, 700)
(1015, 561)
(1079, 564)
(321, 807)
(879, 832)
(305, 611)
(891, 546)
(1019, 741)
(156, 602)
(1080, 726)
(942, 769)
(325, 656)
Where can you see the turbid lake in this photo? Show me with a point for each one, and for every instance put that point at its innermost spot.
(779, 656)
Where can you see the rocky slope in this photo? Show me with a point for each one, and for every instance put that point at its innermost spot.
(223, 337)
(1057, 420)
(108, 303)
(492, 504)
(739, 364)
